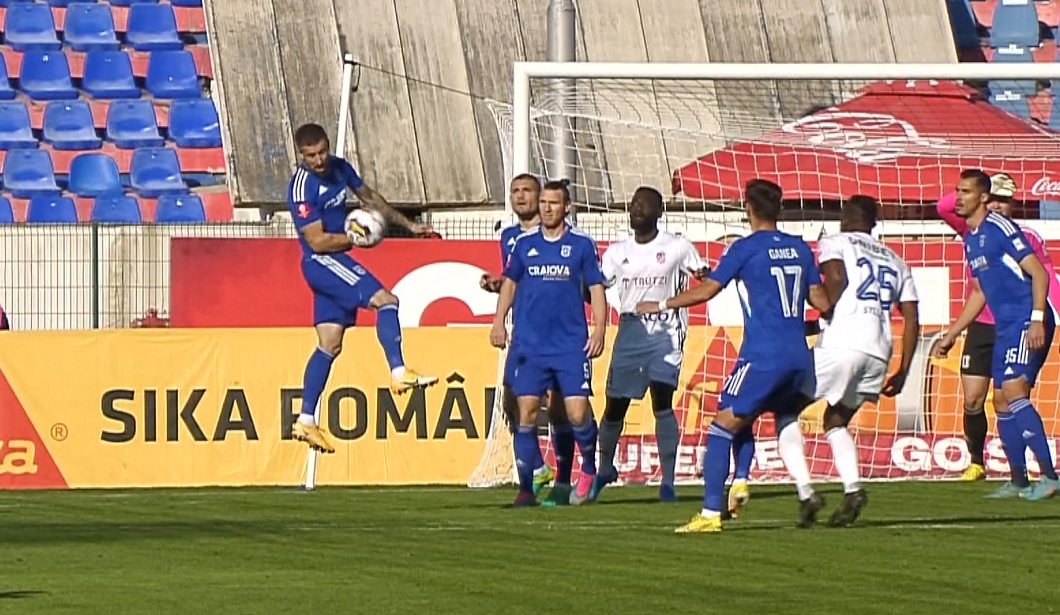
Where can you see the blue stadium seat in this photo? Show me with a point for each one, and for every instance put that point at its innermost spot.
(194, 123)
(69, 125)
(64, 3)
(53, 209)
(1015, 24)
(109, 75)
(29, 173)
(962, 22)
(6, 91)
(1012, 55)
(171, 74)
(131, 2)
(116, 209)
(16, 131)
(7, 215)
(156, 171)
(182, 209)
(131, 124)
(90, 27)
(13, 2)
(30, 27)
(1054, 116)
(94, 175)
(1012, 102)
(192, 3)
(152, 27)
(45, 75)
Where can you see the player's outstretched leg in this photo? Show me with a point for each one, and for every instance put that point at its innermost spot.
(388, 330)
(1031, 428)
(610, 432)
(793, 451)
(845, 457)
(667, 437)
(743, 446)
(317, 370)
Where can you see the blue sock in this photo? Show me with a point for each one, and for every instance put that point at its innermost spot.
(716, 466)
(1033, 432)
(563, 446)
(526, 448)
(585, 436)
(744, 445)
(1015, 446)
(388, 330)
(317, 370)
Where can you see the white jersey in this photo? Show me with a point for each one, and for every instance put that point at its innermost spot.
(877, 280)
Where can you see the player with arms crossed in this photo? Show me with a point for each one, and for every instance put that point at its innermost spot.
(775, 273)
(650, 266)
(340, 286)
(547, 274)
(1010, 279)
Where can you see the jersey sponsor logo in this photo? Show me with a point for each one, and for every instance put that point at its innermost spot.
(979, 263)
(650, 281)
(549, 272)
(339, 200)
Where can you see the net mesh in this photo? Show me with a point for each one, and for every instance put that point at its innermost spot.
(699, 142)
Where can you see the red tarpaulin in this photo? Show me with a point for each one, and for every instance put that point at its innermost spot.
(900, 141)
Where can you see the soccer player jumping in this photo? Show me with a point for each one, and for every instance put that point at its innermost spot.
(776, 274)
(546, 274)
(650, 266)
(340, 286)
(1011, 280)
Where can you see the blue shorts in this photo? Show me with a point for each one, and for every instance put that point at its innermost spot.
(340, 287)
(511, 363)
(749, 390)
(639, 358)
(569, 374)
(1012, 359)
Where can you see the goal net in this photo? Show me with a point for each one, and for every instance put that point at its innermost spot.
(900, 133)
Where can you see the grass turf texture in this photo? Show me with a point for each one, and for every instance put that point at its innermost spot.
(919, 548)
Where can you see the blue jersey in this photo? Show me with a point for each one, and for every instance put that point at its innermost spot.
(994, 251)
(550, 276)
(313, 198)
(508, 237)
(774, 272)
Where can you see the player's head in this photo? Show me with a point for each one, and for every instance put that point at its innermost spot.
(555, 203)
(973, 192)
(525, 191)
(859, 214)
(763, 201)
(313, 145)
(645, 209)
(1002, 192)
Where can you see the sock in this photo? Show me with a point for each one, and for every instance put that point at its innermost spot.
(716, 468)
(317, 370)
(1033, 432)
(975, 429)
(585, 436)
(743, 444)
(563, 445)
(1015, 446)
(610, 432)
(792, 448)
(845, 457)
(667, 437)
(388, 330)
(526, 447)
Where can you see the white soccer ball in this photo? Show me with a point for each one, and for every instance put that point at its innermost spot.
(365, 227)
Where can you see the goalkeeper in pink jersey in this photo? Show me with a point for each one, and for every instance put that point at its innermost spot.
(979, 343)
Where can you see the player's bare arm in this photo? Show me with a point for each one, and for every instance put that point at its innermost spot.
(598, 302)
(370, 197)
(693, 296)
(499, 333)
(1039, 298)
(701, 274)
(819, 299)
(835, 279)
(325, 243)
(973, 306)
(911, 318)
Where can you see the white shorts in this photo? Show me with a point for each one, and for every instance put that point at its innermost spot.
(847, 377)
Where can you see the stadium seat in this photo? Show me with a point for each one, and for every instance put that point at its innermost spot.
(155, 172)
(180, 209)
(16, 132)
(109, 75)
(1012, 55)
(65, 3)
(1014, 24)
(30, 27)
(1012, 102)
(152, 27)
(171, 74)
(116, 209)
(90, 27)
(13, 2)
(6, 91)
(68, 125)
(45, 75)
(1054, 114)
(94, 175)
(7, 215)
(53, 209)
(132, 124)
(962, 22)
(194, 123)
(28, 173)
(191, 3)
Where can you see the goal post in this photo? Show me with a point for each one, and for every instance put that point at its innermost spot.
(824, 132)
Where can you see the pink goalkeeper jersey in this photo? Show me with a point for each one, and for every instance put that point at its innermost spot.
(947, 208)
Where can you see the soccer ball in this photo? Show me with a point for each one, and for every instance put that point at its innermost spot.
(365, 227)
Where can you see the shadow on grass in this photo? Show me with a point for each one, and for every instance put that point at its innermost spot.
(20, 594)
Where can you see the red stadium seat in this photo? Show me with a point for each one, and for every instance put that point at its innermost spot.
(984, 12)
(1041, 106)
(1049, 12)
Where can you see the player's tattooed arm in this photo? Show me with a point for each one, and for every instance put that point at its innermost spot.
(972, 307)
(325, 243)
(499, 333)
(370, 196)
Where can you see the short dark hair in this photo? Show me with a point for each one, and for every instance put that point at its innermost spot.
(764, 198)
(651, 196)
(982, 180)
(309, 134)
(561, 185)
(528, 177)
(865, 208)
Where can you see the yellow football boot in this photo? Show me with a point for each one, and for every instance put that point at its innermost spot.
(701, 525)
(311, 435)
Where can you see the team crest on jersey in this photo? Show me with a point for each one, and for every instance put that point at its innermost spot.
(660, 257)
(564, 251)
(303, 210)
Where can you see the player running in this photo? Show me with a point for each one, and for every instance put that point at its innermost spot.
(776, 274)
(864, 280)
(547, 272)
(1011, 280)
(340, 286)
(650, 266)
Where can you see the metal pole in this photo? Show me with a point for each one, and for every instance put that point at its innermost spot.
(562, 161)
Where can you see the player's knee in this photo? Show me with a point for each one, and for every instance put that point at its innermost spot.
(836, 417)
(615, 409)
(332, 347)
(382, 298)
(557, 410)
(662, 397)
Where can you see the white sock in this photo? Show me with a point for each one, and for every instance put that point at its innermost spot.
(793, 451)
(739, 481)
(845, 456)
(541, 471)
(398, 372)
(307, 419)
(709, 514)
